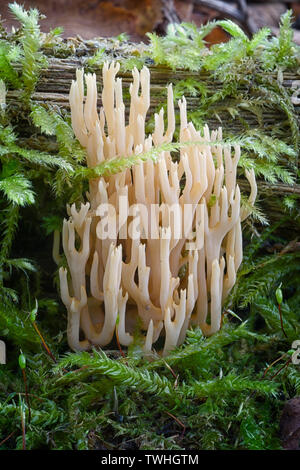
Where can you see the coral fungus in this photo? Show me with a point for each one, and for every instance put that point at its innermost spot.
(160, 242)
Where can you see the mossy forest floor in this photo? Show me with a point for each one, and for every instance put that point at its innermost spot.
(223, 392)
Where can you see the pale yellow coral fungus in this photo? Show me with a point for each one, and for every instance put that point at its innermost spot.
(161, 242)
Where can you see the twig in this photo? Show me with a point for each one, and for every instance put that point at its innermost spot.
(179, 422)
(77, 370)
(292, 246)
(8, 437)
(223, 7)
(32, 395)
(119, 345)
(281, 368)
(49, 352)
(170, 12)
(173, 373)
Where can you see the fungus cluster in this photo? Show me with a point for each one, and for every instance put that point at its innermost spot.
(159, 244)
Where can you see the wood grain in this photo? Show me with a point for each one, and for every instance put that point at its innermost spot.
(54, 84)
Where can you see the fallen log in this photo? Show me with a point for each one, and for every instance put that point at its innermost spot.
(53, 87)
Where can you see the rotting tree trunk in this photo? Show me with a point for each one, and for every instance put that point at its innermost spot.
(54, 84)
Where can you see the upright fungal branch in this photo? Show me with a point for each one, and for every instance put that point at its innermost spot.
(159, 244)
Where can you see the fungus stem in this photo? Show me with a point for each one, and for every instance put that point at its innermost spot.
(273, 363)
(281, 368)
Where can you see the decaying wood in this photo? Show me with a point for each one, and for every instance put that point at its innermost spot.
(54, 84)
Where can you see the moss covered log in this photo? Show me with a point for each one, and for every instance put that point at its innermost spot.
(249, 86)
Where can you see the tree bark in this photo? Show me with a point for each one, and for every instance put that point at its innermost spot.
(54, 84)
